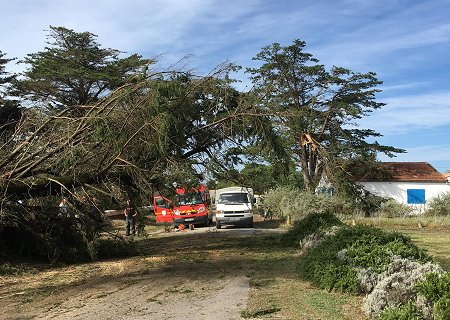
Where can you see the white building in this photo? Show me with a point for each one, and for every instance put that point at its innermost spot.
(410, 183)
(447, 176)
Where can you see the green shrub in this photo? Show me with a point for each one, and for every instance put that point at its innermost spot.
(377, 252)
(8, 269)
(285, 201)
(38, 231)
(440, 205)
(112, 248)
(312, 223)
(407, 311)
(393, 209)
(397, 286)
(332, 264)
(436, 289)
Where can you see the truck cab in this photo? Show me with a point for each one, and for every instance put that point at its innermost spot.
(234, 206)
(188, 207)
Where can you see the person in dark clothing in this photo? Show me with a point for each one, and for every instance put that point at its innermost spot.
(130, 217)
(95, 211)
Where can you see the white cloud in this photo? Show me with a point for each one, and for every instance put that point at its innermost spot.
(405, 114)
(403, 86)
(431, 152)
(435, 154)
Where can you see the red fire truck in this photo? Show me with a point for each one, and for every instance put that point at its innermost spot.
(189, 207)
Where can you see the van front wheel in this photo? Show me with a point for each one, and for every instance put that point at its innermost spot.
(218, 226)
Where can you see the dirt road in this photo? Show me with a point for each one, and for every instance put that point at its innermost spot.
(199, 274)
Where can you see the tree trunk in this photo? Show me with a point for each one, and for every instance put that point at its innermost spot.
(305, 169)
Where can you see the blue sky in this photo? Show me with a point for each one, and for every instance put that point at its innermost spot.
(406, 42)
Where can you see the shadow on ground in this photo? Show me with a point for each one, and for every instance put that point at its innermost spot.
(172, 256)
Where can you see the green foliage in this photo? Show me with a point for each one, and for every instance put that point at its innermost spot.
(4, 76)
(408, 311)
(140, 225)
(331, 263)
(337, 276)
(288, 201)
(260, 313)
(112, 248)
(7, 269)
(10, 111)
(75, 70)
(258, 176)
(316, 108)
(393, 209)
(312, 223)
(42, 232)
(436, 289)
(440, 205)
(375, 253)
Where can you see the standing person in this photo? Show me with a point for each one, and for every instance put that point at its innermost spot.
(130, 217)
(95, 211)
(64, 211)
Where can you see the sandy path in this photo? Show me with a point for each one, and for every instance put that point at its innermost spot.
(153, 298)
(192, 284)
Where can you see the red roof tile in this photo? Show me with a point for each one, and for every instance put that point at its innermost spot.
(410, 172)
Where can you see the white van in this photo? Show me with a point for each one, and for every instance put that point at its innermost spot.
(234, 205)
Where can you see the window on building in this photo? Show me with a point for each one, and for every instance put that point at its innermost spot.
(416, 196)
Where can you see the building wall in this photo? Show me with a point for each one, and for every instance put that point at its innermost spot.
(398, 191)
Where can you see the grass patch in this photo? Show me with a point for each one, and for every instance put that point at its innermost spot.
(435, 242)
(154, 300)
(179, 290)
(259, 313)
(329, 306)
(8, 269)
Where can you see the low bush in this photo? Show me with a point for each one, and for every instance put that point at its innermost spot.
(440, 205)
(286, 201)
(336, 262)
(397, 286)
(112, 248)
(407, 311)
(393, 209)
(40, 231)
(312, 224)
(436, 290)
(428, 299)
(400, 279)
(8, 269)
(314, 239)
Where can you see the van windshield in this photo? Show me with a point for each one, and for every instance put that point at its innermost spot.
(190, 198)
(233, 198)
